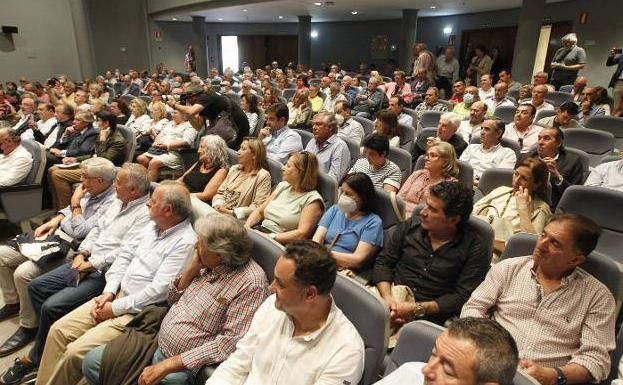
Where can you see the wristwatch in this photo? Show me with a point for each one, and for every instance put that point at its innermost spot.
(272, 236)
(419, 311)
(561, 379)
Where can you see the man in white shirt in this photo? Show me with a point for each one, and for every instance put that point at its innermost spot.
(471, 351)
(27, 118)
(298, 336)
(332, 97)
(46, 123)
(470, 128)
(15, 161)
(609, 175)
(489, 153)
(538, 99)
(486, 90)
(521, 130)
(350, 128)
(499, 97)
(396, 105)
(138, 277)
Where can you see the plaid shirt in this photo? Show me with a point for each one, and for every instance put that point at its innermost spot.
(208, 318)
(423, 107)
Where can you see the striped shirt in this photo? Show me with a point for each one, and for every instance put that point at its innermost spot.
(573, 324)
(388, 174)
(208, 318)
(423, 107)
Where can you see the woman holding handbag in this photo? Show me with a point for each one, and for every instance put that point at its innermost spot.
(520, 208)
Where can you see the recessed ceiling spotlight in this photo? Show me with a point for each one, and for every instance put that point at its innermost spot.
(281, 17)
(220, 19)
(313, 34)
(244, 10)
(318, 4)
(432, 7)
(354, 12)
(174, 18)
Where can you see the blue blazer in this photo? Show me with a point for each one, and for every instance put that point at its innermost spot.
(83, 144)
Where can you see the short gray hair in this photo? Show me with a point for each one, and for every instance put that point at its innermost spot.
(215, 149)
(11, 134)
(572, 37)
(100, 168)
(452, 118)
(177, 195)
(137, 177)
(329, 118)
(226, 236)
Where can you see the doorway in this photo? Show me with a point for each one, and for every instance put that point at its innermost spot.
(501, 38)
(257, 51)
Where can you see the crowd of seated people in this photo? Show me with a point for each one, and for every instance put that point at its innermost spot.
(129, 249)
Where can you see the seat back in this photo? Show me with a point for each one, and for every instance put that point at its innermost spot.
(492, 178)
(557, 97)
(261, 120)
(407, 137)
(371, 319)
(466, 172)
(288, 93)
(611, 124)
(265, 252)
(367, 124)
(354, 149)
(402, 159)
(447, 103)
(513, 94)
(130, 142)
(37, 151)
(543, 114)
(306, 136)
(415, 344)
(327, 188)
(584, 159)
(566, 88)
(600, 266)
(593, 142)
(274, 167)
(505, 142)
(505, 113)
(610, 158)
(412, 114)
(430, 119)
(145, 98)
(233, 156)
(127, 98)
(385, 209)
(604, 206)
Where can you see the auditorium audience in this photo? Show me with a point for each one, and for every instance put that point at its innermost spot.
(486, 87)
(578, 89)
(608, 175)
(413, 287)
(386, 123)
(151, 129)
(447, 69)
(564, 118)
(565, 167)
(164, 152)
(576, 333)
(294, 208)
(383, 172)
(446, 132)
(431, 103)
(480, 64)
(522, 130)
(439, 165)
(75, 141)
(139, 120)
(538, 99)
(15, 160)
(279, 139)
(567, 61)
(300, 306)
(300, 110)
(471, 127)
(399, 88)
(470, 97)
(248, 103)
(221, 266)
(47, 124)
(121, 110)
(247, 184)
(331, 152)
(315, 99)
(521, 207)
(489, 153)
(333, 96)
(499, 97)
(525, 94)
(350, 229)
(540, 78)
(419, 84)
(205, 176)
(350, 128)
(370, 101)
(396, 105)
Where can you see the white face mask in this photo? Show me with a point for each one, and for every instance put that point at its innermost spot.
(468, 99)
(347, 204)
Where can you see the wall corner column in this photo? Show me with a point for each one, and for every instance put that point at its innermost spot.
(200, 45)
(408, 31)
(527, 39)
(304, 40)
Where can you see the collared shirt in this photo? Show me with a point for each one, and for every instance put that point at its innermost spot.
(545, 106)
(527, 140)
(492, 103)
(449, 70)
(351, 129)
(270, 354)
(447, 275)
(329, 102)
(114, 228)
(46, 129)
(333, 156)
(93, 207)
(147, 264)
(609, 175)
(207, 319)
(15, 166)
(573, 324)
(486, 94)
(467, 131)
(419, 110)
(389, 173)
(281, 143)
(495, 157)
(405, 119)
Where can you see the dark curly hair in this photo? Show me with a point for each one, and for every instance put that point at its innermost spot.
(458, 199)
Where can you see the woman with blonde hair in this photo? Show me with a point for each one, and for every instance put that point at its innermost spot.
(440, 165)
(248, 183)
(139, 118)
(300, 110)
(293, 210)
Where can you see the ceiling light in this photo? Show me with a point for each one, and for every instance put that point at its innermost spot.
(313, 34)
(174, 18)
(318, 4)
(244, 10)
(220, 19)
(280, 17)
(447, 30)
(354, 12)
(432, 7)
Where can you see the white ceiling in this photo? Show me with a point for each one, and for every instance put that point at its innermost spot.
(289, 10)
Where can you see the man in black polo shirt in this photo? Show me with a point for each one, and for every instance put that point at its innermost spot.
(436, 255)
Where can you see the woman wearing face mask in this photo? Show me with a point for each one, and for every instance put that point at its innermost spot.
(294, 208)
(350, 229)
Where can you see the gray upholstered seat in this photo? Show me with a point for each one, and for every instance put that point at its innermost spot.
(466, 172)
(367, 124)
(327, 188)
(130, 142)
(505, 113)
(402, 158)
(306, 136)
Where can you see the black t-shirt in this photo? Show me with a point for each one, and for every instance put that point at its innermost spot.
(214, 104)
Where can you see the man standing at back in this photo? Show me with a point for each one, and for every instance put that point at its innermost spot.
(298, 336)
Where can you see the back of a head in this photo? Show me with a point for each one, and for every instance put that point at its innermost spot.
(177, 195)
(314, 265)
(137, 177)
(226, 236)
(497, 355)
(280, 110)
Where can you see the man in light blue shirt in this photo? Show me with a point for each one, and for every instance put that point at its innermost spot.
(138, 277)
(332, 153)
(279, 139)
